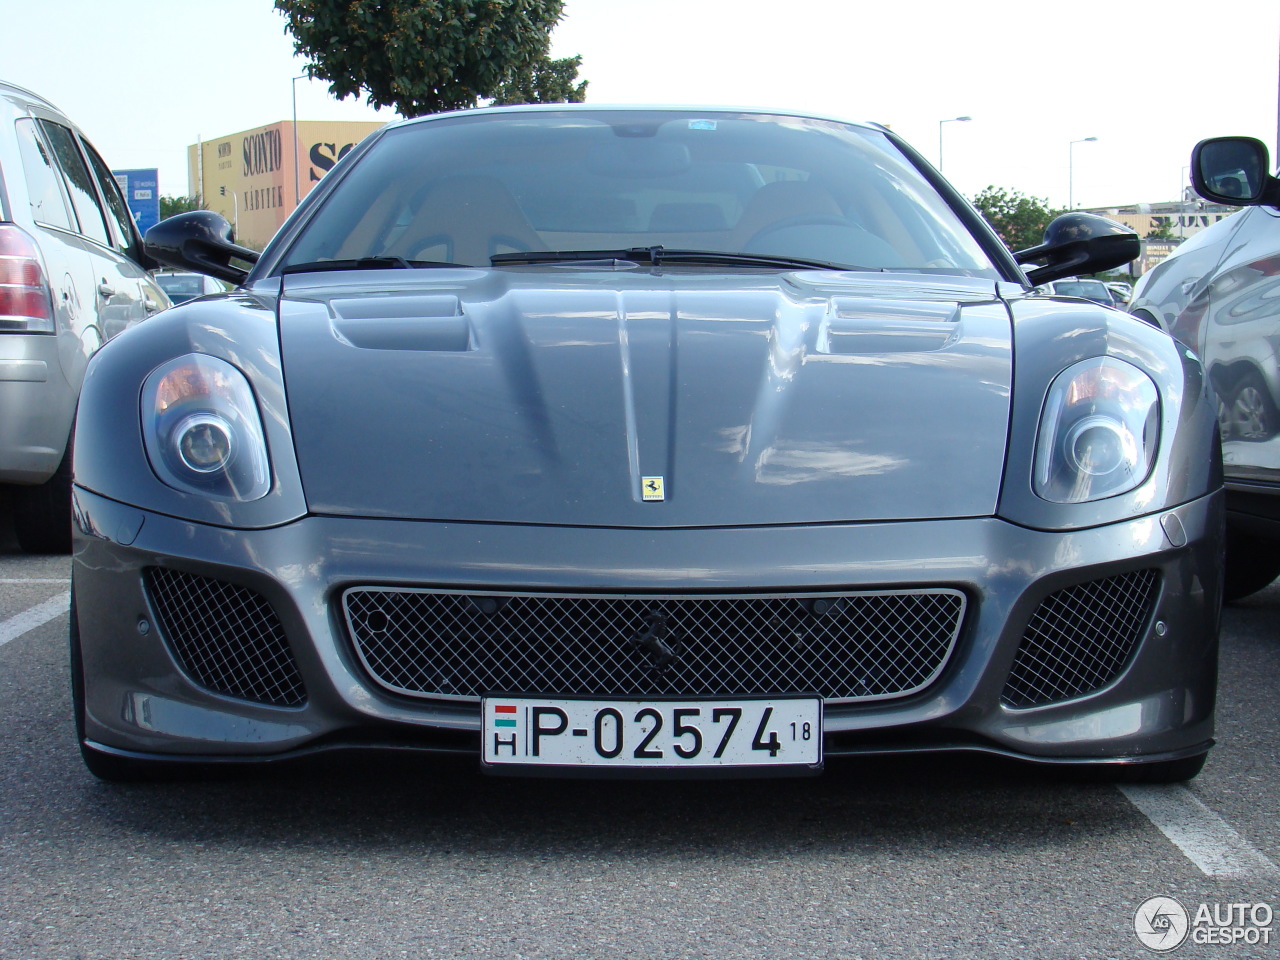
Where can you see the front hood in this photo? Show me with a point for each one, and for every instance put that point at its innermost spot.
(556, 396)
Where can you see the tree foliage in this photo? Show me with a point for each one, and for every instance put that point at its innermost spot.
(550, 81)
(1020, 220)
(171, 206)
(425, 56)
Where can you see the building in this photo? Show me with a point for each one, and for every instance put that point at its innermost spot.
(256, 178)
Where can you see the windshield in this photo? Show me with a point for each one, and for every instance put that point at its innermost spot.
(467, 189)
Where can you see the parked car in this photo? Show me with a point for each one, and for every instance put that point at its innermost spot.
(644, 442)
(181, 287)
(1219, 293)
(1121, 291)
(72, 276)
(1086, 289)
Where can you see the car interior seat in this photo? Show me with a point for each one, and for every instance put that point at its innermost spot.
(467, 220)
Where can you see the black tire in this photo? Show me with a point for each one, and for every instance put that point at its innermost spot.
(104, 766)
(42, 513)
(1251, 564)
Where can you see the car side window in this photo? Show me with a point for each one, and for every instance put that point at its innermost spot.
(117, 209)
(48, 205)
(79, 183)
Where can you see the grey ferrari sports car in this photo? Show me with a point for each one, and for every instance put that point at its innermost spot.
(644, 442)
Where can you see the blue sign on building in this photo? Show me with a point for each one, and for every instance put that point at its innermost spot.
(141, 191)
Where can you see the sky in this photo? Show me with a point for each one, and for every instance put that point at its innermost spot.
(146, 78)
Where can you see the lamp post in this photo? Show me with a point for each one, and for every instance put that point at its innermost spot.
(1071, 173)
(940, 123)
(1182, 203)
(294, 85)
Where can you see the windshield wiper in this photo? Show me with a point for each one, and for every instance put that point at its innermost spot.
(658, 255)
(365, 263)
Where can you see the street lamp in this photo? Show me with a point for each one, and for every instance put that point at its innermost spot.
(940, 123)
(1071, 148)
(1182, 203)
(294, 85)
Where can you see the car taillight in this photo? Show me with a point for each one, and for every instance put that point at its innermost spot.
(25, 302)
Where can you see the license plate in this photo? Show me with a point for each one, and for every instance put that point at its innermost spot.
(640, 734)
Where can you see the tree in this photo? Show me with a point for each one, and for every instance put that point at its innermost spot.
(550, 81)
(1018, 219)
(425, 56)
(170, 206)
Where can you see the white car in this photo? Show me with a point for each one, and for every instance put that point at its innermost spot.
(72, 276)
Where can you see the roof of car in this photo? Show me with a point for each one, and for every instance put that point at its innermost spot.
(14, 92)
(637, 107)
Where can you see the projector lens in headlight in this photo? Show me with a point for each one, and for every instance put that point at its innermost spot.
(204, 442)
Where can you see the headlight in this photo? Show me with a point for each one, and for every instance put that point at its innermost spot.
(1099, 432)
(202, 429)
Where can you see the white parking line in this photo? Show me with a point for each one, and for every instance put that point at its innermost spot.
(1205, 838)
(34, 617)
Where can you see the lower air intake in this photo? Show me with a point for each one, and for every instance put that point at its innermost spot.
(1080, 639)
(225, 637)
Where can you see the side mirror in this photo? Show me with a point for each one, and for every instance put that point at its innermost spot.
(199, 240)
(1080, 243)
(1234, 171)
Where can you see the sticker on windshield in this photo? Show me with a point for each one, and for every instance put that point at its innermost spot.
(702, 124)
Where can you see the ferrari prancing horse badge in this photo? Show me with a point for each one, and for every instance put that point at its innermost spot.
(651, 488)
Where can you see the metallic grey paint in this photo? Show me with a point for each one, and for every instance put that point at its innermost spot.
(486, 430)
(565, 448)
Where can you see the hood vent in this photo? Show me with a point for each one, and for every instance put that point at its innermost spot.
(430, 323)
(854, 325)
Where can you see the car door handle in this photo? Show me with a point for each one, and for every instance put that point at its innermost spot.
(106, 290)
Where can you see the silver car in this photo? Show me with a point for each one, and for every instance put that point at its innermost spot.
(1084, 288)
(72, 276)
(1219, 293)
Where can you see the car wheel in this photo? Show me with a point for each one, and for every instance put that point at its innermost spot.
(1252, 411)
(1251, 564)
(42, 514)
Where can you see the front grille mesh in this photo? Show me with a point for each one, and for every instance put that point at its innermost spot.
(1080, 638)
(850, 647)
(225, 637)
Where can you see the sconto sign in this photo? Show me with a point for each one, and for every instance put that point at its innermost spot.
(256, 177)
(263, 152)
(325, 156)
